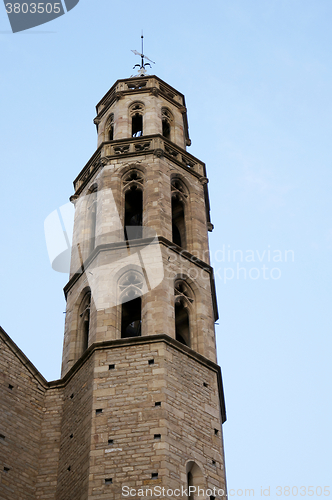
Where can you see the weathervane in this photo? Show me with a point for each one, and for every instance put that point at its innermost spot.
(142, 70)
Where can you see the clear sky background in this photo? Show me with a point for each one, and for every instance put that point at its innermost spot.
(257, 78)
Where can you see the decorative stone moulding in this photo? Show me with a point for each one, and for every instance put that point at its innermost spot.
(136, 84)
(133, 178)
(73, 198)
(159, 153)
(156, 145)
(155, 92)
(118, 150)
(105, 160)
(203, 180)
(167, 91)
(136, 107)
(178, 189)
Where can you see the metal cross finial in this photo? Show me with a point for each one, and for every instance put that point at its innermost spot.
(142, 69)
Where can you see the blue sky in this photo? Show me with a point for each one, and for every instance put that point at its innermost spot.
(257, 79)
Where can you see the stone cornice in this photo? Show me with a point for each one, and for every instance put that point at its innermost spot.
(155, 144)
(148, 339)
(164, 90)
(144, 242)
(141, 242)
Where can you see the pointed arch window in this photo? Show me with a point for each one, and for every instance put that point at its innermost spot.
(136, 111)
(183, 305)
(133, 217)
(167, 120)
(109, 129)
(196, 479)
(92, 218)
(179, 196)
(84, 322)
(131, 289)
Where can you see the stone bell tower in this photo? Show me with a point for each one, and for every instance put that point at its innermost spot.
(143, 402)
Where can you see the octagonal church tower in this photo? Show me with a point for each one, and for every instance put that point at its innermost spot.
(143, 402)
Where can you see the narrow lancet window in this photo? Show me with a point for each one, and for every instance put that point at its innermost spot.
(182, 324)
(166, 129)
(190, 482)
(131, 321)
(109, 136)
(167, 119)
(133, 213)
(111, 133)
(178, 223)
(92, 218)
(131, 289)
(137, 125)
(178, 213)
(84, 321)
(136, 112)
(195, 479)
(183, 301)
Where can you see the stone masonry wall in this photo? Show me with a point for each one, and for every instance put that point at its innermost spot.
(22, 400)
(50, 444)
(131, 413)
(73, 472)
(101, 272)
(193, 420)
(133, 438)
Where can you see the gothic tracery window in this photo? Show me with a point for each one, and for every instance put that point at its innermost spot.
(133, 177)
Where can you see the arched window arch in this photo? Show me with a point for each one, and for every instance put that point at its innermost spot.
(92, 217)
(133, 210)
(84, 323)
(196, 479)
(179, 196)
(167, 121)
(109, 128)
(183, 310)
(136, 112)
(131, 289)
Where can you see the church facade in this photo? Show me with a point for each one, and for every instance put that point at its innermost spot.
(139, 408)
